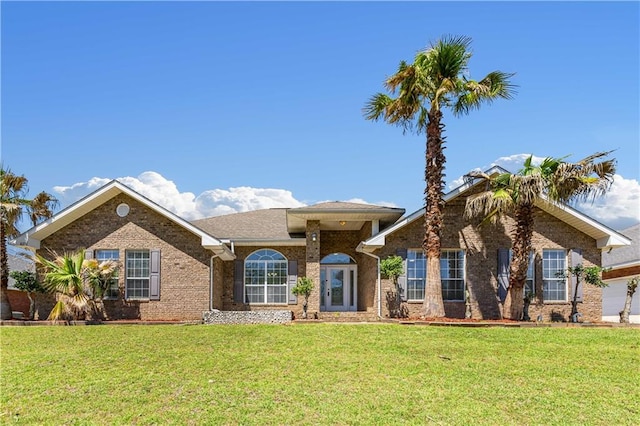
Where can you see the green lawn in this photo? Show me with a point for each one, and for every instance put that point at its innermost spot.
(319, 374)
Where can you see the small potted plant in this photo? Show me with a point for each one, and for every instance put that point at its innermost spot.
(303, 288)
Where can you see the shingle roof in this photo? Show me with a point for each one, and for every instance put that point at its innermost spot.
(342, 205)
(256, 224)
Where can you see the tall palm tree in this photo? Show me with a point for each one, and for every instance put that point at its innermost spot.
(13, 203)
(418, 92)
(553, 179)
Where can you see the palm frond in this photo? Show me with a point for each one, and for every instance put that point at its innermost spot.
(58, 312)
(377, 106)
(473, 94)
(41, 207)
(449, 56)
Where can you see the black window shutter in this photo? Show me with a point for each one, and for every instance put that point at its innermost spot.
(154, 276)
(238, 281)
(503, 273)
(292, 279)
(576, 259)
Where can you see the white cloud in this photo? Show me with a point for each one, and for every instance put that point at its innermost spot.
(241, 199)
(213, 202)
(185, 204)
(619, 208)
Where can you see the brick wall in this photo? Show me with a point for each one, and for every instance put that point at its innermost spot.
(481, 245)
(308, 258)
(242, 252)
(184, 274)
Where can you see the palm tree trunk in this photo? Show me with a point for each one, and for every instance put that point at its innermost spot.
(631, 289)
(5, 307)
(433, 304)
(514, 303)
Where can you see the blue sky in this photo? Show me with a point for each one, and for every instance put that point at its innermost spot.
(212, 107)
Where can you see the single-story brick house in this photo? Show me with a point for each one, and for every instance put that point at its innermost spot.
(622, 264)
(173, 269)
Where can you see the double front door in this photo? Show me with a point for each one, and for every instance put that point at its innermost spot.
(338, 288)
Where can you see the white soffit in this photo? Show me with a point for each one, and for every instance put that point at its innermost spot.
(330, 219)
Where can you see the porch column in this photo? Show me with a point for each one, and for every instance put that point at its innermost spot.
(313, 264)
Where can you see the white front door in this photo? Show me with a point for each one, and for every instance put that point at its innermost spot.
(338, 287)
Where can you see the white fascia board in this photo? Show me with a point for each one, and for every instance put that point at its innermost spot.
(96, 199)
(379, 240)
(367, 248)
(68, 215)
(591, 227)
(611, 241)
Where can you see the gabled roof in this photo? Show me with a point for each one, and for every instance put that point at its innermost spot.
(287, 226)
(605, 237)
(33, 236)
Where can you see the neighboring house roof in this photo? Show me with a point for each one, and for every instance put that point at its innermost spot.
(18, 260)
(624, 261)
(625, 255)
(35, 235)
(605, 237)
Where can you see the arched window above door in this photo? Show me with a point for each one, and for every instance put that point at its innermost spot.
(337, 259)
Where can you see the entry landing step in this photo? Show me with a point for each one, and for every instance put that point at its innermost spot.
(348, 316)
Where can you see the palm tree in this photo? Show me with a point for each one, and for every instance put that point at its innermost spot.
(418, 93)
(79, 283)
(13, 203)
(554, 180)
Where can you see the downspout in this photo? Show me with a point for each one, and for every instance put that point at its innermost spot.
(378, 283)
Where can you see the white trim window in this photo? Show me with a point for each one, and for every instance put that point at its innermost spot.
(416, 274)
(113, 292)
(137, 271)
(452, 274)
(554, 286)
(265, 277)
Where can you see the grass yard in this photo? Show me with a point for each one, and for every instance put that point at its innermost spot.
(336, 374)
